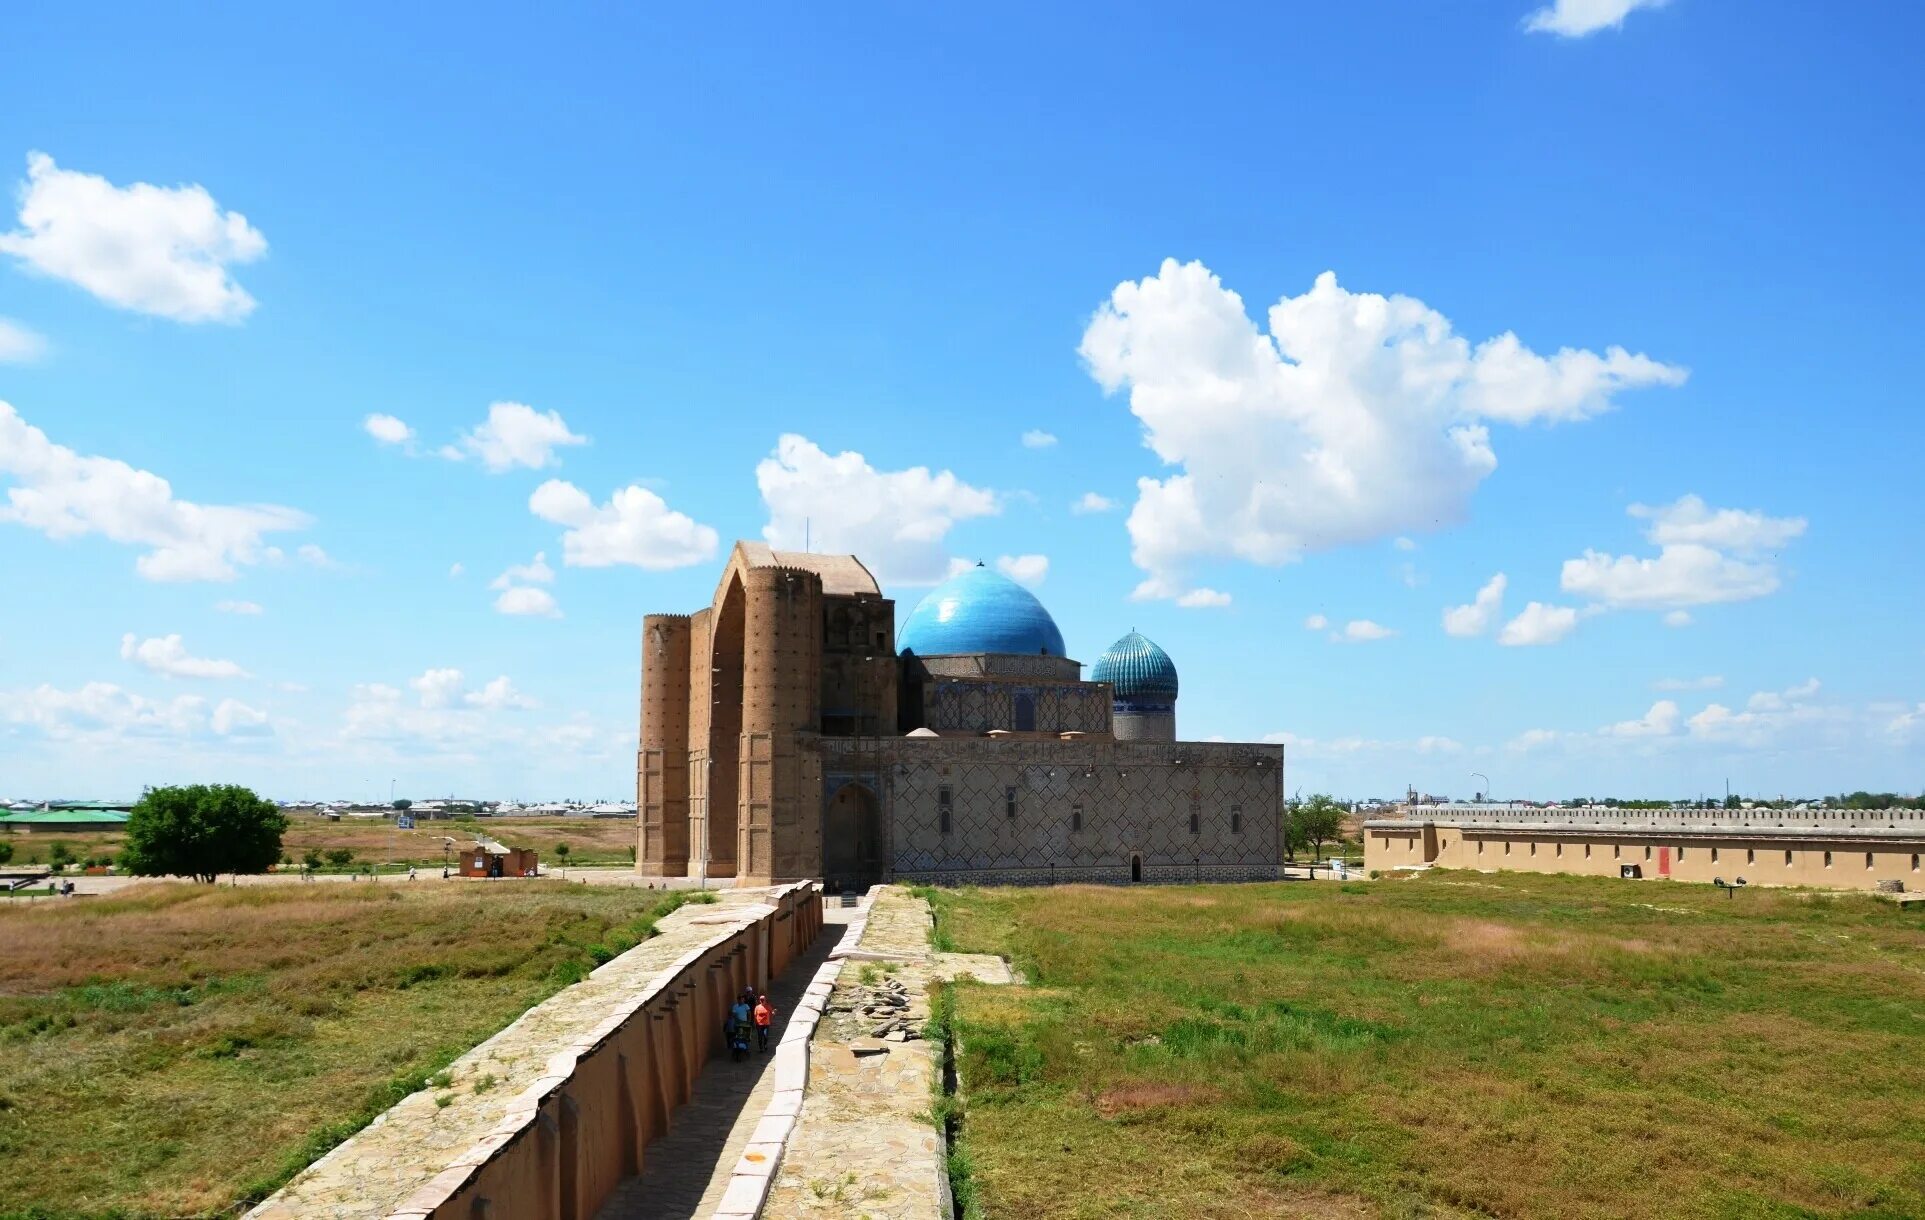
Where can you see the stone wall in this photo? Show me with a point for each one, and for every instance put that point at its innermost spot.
(606, 1066)
(1021, 812)
(974, 706)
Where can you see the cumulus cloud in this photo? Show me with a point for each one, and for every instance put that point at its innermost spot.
(1678, 618)
(1660, 721)
(1404, 544)
(1578, 18)
(168, 655)
(165, 251)
(438, 687)
(232, 718)
(102, 712)
(514, 434)
(1539, 623)
(1036, 438)
(1024, 569)
(238, 607)
(635, 527)
(1090, 502)
(455, 569)
(1476, 617)
(499, 694)
(1705, 556)
(536, 572)
(1354, 417)
(64, 495)
(1315, 622)
(1203, 599)
(18, 345)
(387, 429)
(527, 601)
(894, 520)
(447, 687)
(1362, 631)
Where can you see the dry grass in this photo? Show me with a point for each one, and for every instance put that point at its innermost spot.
(1520, 1046)
(590, 840)
(177, 1050)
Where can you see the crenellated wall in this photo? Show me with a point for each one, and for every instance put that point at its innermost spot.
(585, 1118)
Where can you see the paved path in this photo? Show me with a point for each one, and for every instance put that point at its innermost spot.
(685, 1172)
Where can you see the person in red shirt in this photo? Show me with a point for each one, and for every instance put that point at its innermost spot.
(764, 1017)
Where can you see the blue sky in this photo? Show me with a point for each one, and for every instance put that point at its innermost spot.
(590, 269)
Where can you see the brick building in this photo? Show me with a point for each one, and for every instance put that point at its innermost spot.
(788, 733)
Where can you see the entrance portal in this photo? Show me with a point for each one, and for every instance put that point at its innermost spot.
(1136, 867)
(852, 837)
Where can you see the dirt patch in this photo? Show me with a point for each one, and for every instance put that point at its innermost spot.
(1141, 1095)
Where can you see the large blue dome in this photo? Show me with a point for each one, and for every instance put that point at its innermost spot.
(979, 611)
(1135, 666)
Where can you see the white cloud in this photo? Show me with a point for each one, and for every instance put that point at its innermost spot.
(1690, 520)
(1355, 417)
(168, 655)
(499, 694)
(527, 600)
(1203, 599)
(387, 429)
(66, 495)
(1024, 569)
(1707, 682)
(18, 345)
(1577, 18)
(538, 572)
(314, 556)
(1539, 623)
(1774, 718)
(102, 712)
(454, 570)
(232, 718)
(237, 607)
(1363, 631)
(1404, 544)
(1476, 617)
(1692, 566)
(514, 434)
(1678, 618)
(636, 527)
(1660, 721)
(1315, 622)
(1090, 502)
(438, 687)
(895, 521)
(1036, 438)
(157, 250)
(1778, 701)
(1681, 575)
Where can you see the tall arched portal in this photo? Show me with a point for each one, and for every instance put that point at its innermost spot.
(852, 837)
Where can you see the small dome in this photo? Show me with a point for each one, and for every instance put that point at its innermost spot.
(1134, 665)
(979, 611)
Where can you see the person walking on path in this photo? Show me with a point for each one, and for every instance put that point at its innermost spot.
(737, 1029)
(764, 1017)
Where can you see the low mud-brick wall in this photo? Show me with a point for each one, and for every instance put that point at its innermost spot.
(594, 1075)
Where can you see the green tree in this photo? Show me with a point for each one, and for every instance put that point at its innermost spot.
(1317, 821)
(59, 855)
(561, 852)
(403, 805)
(340, 857)
(312, 858)
(201, 831)
(6, 852)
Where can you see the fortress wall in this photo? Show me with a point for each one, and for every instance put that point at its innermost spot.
(583, 1120)
(662, 762)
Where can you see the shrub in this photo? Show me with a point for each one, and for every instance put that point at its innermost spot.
(340, 857)
(6, 852)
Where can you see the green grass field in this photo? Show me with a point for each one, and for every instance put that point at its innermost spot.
(1448, 1045)
(177, 1050)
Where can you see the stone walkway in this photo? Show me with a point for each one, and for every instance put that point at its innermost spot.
(685, 1172)
(865, 1146)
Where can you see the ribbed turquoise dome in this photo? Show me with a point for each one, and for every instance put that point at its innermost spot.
(1134, 665)
(979, 611)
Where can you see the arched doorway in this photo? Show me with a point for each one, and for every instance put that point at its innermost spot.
(852, 837)
(1136, 867)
